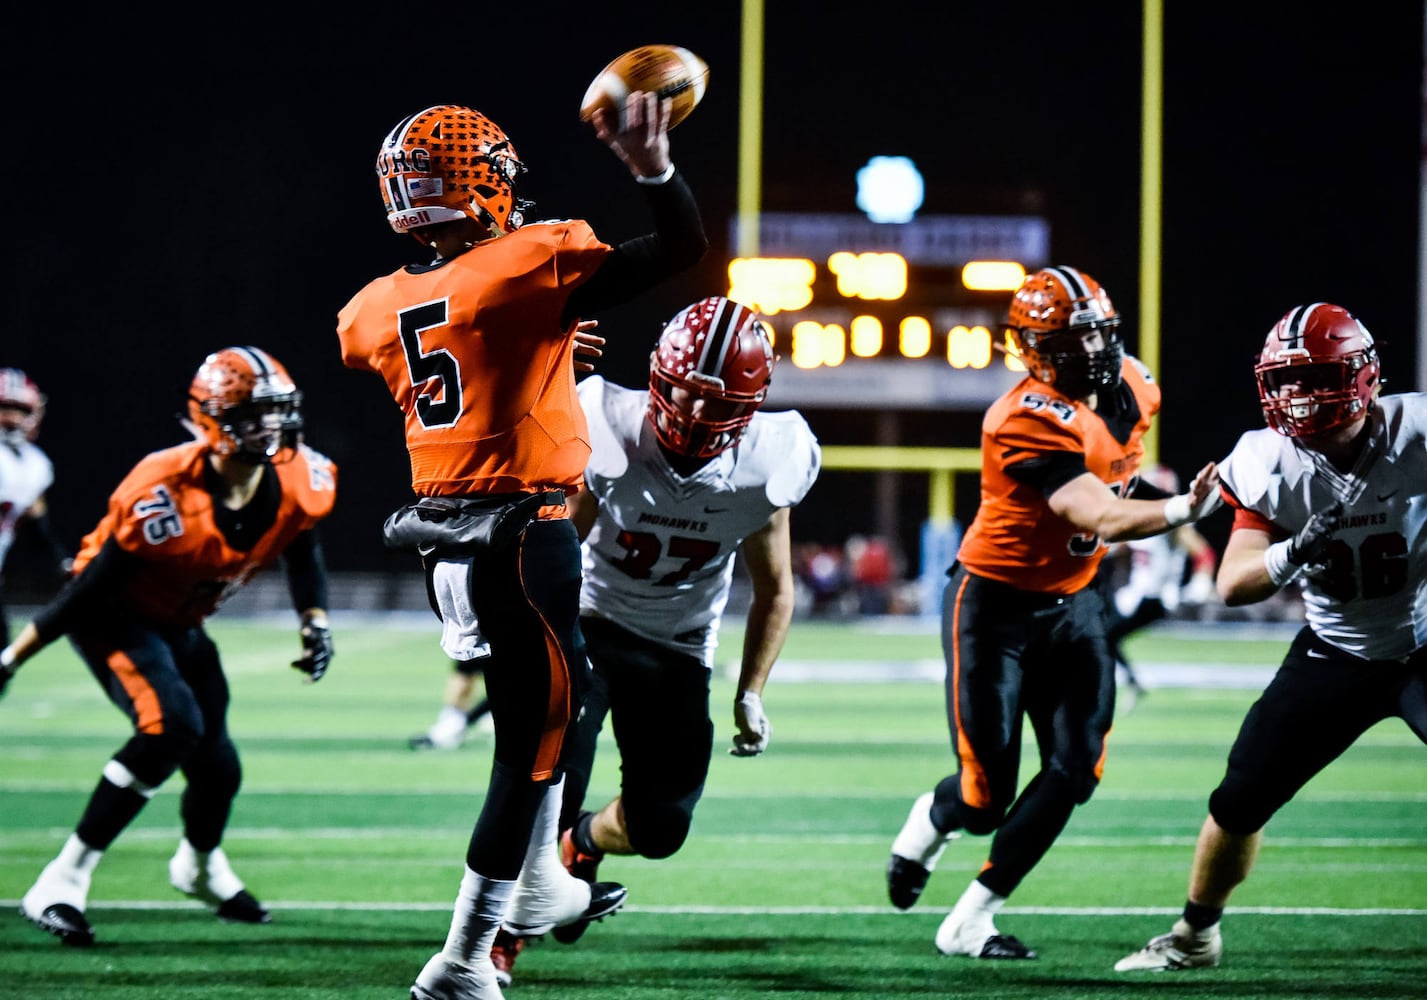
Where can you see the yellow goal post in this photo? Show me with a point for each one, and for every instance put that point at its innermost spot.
(940, 463)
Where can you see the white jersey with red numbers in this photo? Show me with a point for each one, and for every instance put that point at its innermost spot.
(1372, 600)
(25, 474)
(659, 559)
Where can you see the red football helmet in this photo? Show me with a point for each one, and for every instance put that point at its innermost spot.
(1051, 315)
(708, 375)
(448, 163)
(245, 405)
(1318, 370)
(22, 407)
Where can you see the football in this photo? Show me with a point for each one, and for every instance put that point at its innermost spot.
(668, 70)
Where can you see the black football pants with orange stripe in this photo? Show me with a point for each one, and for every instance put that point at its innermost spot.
(1014, 655)
(170, 684)
(527, 600)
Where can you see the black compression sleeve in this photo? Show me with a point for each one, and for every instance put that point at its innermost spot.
(86, 593)
(1049, 471)
(678, 241)
(306, 572)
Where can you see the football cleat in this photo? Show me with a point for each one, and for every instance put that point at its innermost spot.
(1181, 948)
(915, 852)
(605, 899)
(504, 951)
(1005, 946)
(442, 979)
(63, 921)
(244, 909)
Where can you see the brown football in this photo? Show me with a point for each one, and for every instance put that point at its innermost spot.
(668, 70)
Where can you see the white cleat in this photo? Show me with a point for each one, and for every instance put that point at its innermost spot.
(1181, 948)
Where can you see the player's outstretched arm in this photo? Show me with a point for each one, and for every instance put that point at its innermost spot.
(768, 556)
(26, 645)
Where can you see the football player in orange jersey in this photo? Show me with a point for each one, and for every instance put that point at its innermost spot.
(476, 347)
(187, 527)
(1023, 625)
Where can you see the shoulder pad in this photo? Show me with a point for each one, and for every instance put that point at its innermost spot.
(615, 416)
(780, 450)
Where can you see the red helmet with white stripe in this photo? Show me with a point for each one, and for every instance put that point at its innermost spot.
(1318, 370)
(708, 375)
(22, 407)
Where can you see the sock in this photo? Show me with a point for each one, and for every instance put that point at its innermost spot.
(480, 907)
(584, 837)
(1201, 918)
(116, 800)
(450, 724)
(66, 878)
(206, 874)
(974, 912)
(546, 895)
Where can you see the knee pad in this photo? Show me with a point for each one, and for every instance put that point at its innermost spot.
(656, 832)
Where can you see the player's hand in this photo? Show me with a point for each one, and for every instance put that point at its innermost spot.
(6, 673)
(1309, 548)
(317, 651)
(641, 138)
(753, 726)
(587, 345)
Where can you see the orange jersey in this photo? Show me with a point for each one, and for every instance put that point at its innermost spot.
(476, 355)
(162, 514)
(1015, 538)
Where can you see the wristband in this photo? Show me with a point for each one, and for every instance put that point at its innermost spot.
(7, 657)
(1176, 510)
(1275, 561)
(658, 178)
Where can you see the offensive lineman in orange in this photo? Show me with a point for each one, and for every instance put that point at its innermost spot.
(185, 529)
(1023, 626)
(476, 347)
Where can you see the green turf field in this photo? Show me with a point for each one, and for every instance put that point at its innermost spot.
(356, 843)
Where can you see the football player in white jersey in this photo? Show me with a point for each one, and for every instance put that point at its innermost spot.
(681, 478)
(1329, 496)
(26, 472)
(1155, 586)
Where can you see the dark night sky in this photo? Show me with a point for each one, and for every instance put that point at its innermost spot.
(177, 188)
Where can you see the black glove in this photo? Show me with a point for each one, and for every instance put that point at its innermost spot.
(1310, 546)
(5, 674)
(317, 651)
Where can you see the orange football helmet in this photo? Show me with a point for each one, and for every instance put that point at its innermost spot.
(448, 163)
(22, 407)
(245, 405)
(1051, 315)
(708, 375)
(1318, 370)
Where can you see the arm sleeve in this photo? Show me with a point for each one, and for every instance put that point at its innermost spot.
(100, 580)
(1048, 471)
(678, 241)
(306, 572)
(1148, 491)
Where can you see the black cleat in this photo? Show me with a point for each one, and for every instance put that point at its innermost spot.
(1005, 946)
(905, 881)
(66, 923)
(243, 909)
(605, 898)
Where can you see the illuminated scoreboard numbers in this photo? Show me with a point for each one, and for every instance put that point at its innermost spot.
(820, 337)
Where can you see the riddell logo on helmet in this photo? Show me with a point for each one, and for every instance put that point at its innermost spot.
(411, 219)
(404, 161)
